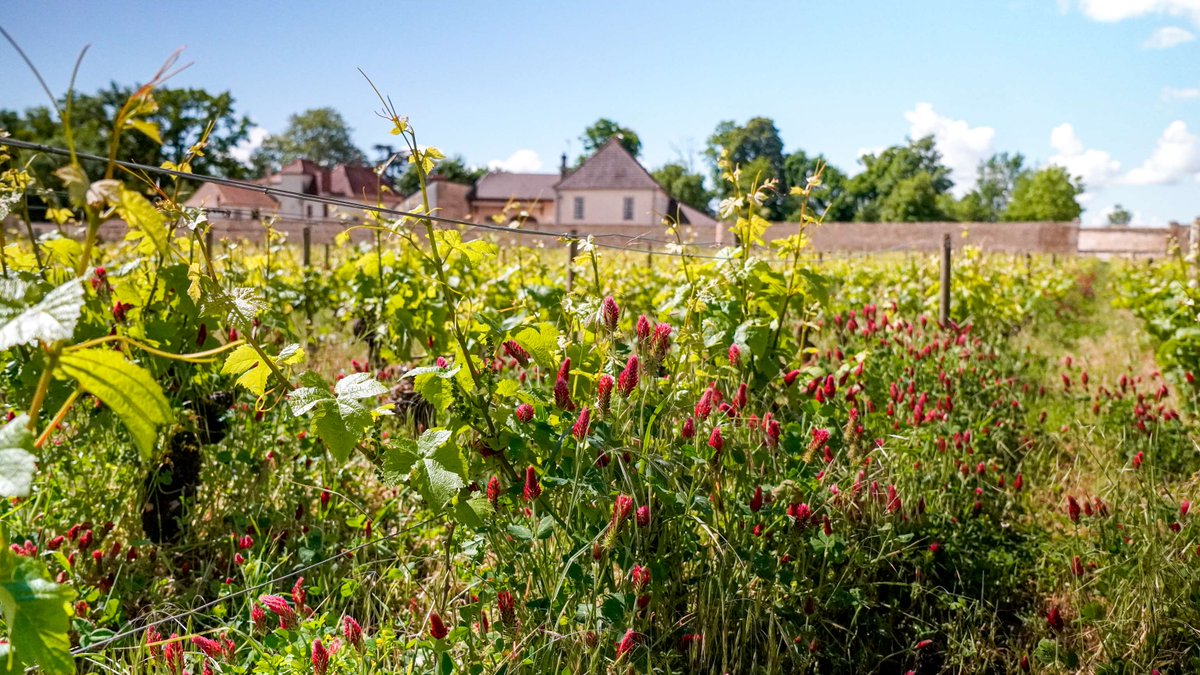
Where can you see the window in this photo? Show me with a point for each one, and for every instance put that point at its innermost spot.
(627, 212)
(579, 208)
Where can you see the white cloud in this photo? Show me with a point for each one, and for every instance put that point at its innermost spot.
(521, 161)
(1167, 37)
(1097, 168)
(1176, 155)
(1174, 94)
(962, 146)
(1120, 10)
(242, 151)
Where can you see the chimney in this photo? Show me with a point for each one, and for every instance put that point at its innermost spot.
(562, 169)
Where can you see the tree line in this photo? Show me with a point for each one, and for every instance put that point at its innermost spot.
(903, 183)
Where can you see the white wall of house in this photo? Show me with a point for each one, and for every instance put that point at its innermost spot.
(607, 207)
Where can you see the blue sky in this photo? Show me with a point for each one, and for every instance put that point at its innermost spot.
(1108, 88)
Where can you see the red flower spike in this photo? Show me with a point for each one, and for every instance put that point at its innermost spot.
(582, 425)
(533, 489)
(610, 313)
(437, 628)
(604, 387)
(493, 491)
(756, 502)
(627, 381)
(320, 658)
(715, 441)
(524, 412)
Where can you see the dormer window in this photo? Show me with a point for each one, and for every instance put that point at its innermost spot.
(627, 209)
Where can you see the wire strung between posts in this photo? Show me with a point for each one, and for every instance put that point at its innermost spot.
(78, 651)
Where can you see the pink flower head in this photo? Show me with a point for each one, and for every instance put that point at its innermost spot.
(299, 595)
(610, 313)
(524, 412)
(493, 490)
(173, 655)
(320, 658)
(819, 438)
(735, 355)
(1073, 509)
(508, 608)
(622, 508)
(562, 394)
(689, 428)
(517, 352)
(661, 342)
(642, 516)
(628, 380)
(627, 643)
(258, 617)
(437, 628)
(533, 489)
(741, 399)
(582, 425)
(756, 502)
(1184, 508)
(604, 387)
(643, 327)
(790, 378)
(153, 638)
(641, 578)
(353, 632)
(211, 648)
(279, 607)
(715, 441)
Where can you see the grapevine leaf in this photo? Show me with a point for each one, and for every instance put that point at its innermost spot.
(50, 320)
(435, 389)
(339, 421)
(37, 612)
(251, 369)
(444, 373)
(359, 386)
(541, 344)
(17, 462)
(441, 469)
(125, 387)
(150, 129)
(473, 512)
(236, 305)
(398, 461)
(144, 220)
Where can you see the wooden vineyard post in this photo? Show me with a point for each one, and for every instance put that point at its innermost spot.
(944, 313)
(208, 242)
(307, 246)
(572, 248)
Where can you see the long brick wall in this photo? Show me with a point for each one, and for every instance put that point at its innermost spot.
(1059, 238)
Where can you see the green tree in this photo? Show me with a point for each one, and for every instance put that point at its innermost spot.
(453, 169)
(898, 164)
(997, 176)
(1048, 195)
(683, 185)
(178, 117)
(1119, 216)
(320, 135)
(757, 150)
(595, 136)
(830, 201)
(914, 199)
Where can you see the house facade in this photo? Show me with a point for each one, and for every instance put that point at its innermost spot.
(609, 193)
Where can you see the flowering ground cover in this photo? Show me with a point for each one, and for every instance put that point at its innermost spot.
(433, 459)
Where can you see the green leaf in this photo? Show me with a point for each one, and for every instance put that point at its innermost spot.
(150, 129)
(339, 421)
(398, 461)
(473, 512)
(545, 527)
(236, 305)
(37, 612)
(520, 532)
(435, 389)
(252, 370)
(50, 320)
(144, 221)
(441, 470)
(17, 462)
(125, 387)
(542, 345)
